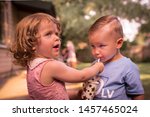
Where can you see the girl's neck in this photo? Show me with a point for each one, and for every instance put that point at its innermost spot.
(41, 56)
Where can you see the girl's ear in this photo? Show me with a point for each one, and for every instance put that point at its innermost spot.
(119, 43)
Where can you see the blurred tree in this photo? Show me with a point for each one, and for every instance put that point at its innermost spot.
(76, 16)
(71, 15)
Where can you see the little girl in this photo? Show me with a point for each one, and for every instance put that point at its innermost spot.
(36, 47)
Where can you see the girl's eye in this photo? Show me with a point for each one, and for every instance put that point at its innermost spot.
(48, 34)
(57, 34)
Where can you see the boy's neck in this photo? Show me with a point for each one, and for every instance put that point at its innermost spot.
(117, 56)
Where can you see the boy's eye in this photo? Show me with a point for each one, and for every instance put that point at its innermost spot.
(102, 46)
(92, 46)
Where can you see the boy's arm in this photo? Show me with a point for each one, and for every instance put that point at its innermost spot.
(138, 97)
(134, 87)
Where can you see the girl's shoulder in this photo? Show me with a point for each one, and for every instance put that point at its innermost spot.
(34, 63)
(55, 64)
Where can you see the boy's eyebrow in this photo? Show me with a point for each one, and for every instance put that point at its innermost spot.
(97, 44)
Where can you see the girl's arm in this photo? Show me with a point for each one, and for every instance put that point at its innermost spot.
(61, 71)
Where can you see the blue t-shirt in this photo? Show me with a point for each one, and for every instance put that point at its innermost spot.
(119, 79)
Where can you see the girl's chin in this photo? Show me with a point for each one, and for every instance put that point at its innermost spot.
(56, 56)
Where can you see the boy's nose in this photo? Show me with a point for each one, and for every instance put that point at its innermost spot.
(97, 53)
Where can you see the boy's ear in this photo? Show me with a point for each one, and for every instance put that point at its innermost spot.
(119, 43)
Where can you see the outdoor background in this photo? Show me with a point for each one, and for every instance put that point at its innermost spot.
(75, 17)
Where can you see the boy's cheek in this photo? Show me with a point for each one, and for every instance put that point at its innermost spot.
(93, 54)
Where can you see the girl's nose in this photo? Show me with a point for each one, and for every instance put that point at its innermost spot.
(57, 38)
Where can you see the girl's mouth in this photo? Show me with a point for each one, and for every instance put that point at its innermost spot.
(56, 47)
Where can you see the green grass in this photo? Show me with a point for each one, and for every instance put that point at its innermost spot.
(145, 77)
(83, 65)
(144, 74)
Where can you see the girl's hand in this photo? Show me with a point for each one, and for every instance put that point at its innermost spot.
(100, 64)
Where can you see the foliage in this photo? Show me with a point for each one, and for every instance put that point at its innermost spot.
(124, 46)
(146, 27)
(86, 55)
(72, 14)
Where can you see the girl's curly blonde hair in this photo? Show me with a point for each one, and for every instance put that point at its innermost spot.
(26, 35)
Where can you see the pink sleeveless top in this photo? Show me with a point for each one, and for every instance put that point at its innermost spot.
(54, 91)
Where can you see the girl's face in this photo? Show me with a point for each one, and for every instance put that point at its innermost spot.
(104, 45)
(49, 42)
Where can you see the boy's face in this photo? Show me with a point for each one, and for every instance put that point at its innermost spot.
(104, 44)
(49, 41)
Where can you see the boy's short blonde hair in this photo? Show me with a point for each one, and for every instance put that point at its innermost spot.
(115, 25)
(26, 35)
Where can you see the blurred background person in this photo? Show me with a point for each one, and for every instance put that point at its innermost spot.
(71, 55)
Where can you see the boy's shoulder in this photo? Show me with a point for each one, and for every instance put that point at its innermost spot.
(123, 63)
(128, 65)
(126, 62)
